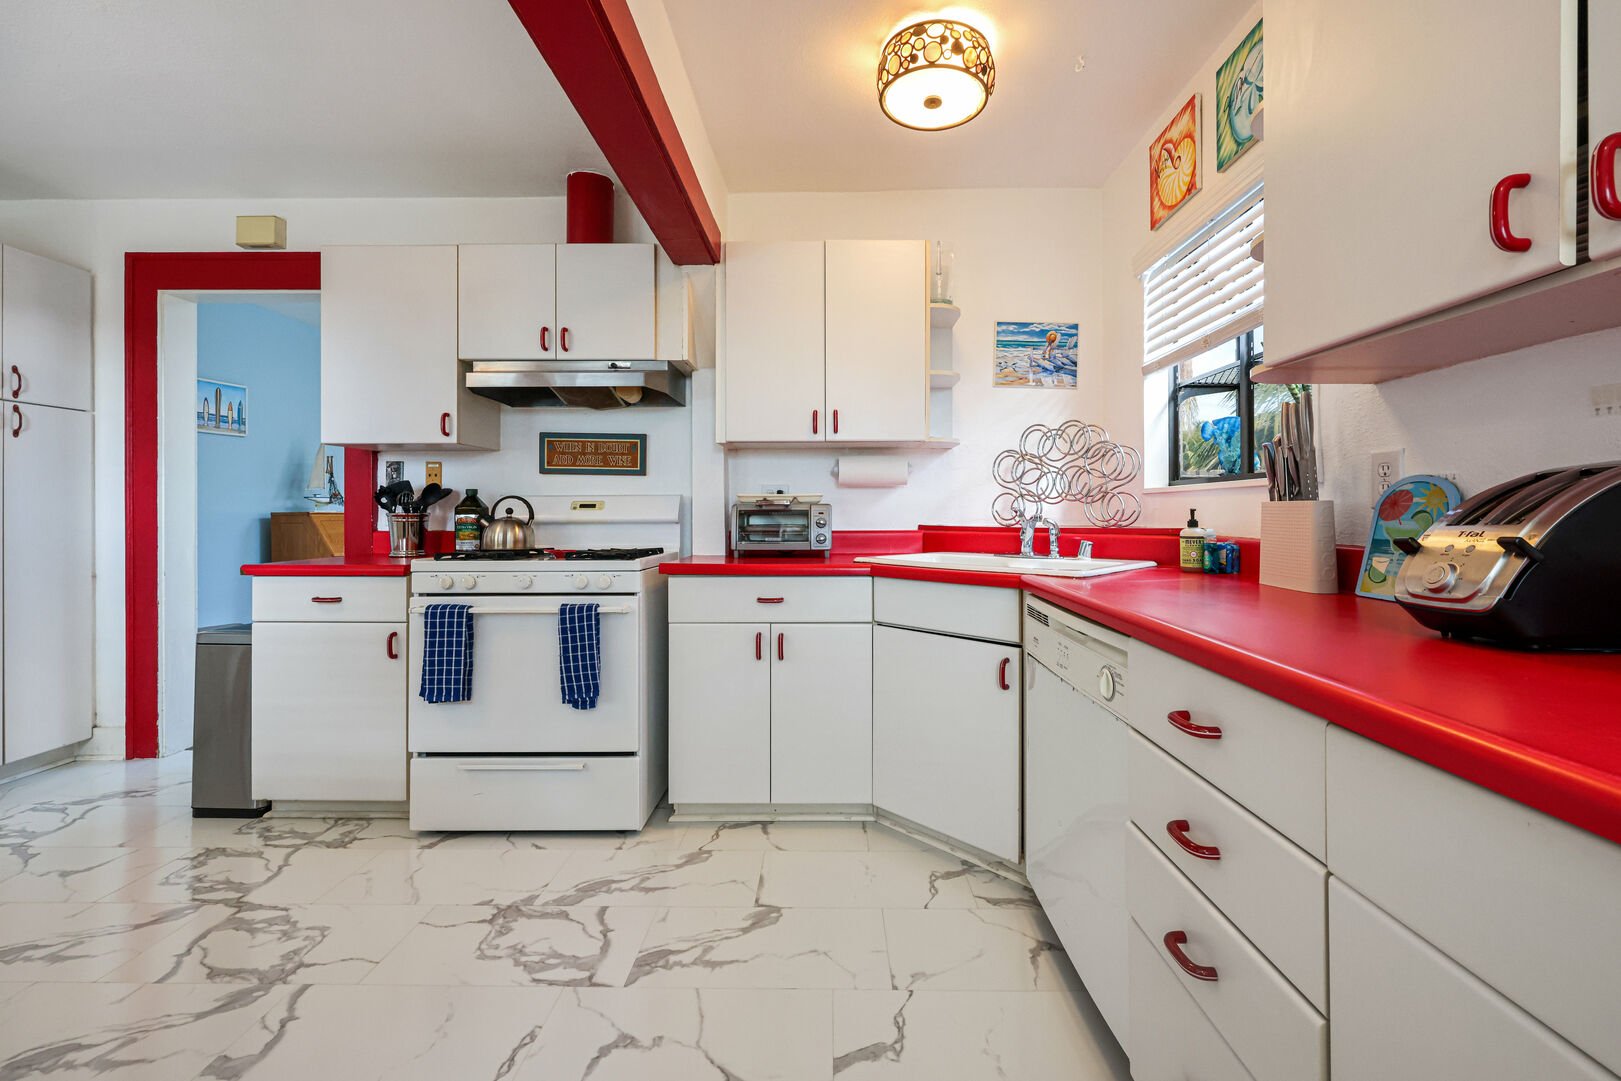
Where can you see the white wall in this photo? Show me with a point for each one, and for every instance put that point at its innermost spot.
(1026, 254)
(177, 508)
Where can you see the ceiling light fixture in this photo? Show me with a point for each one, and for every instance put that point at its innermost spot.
(935, 74)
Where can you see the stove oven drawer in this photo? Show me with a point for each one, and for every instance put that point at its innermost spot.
(529, 792)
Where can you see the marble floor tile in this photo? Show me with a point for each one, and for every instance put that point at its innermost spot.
(251, 943)
(658, 877)
(85, 822)
(890, 879)
(81, 942)
(9, 990)
(266, 876)
(778, 836)
(764, 947)
(970, 1036)
(124, 1032)
(975, 949)
(645, 1034)
(517, 945)
(370, 1033)
(74, 874)
(449, 876)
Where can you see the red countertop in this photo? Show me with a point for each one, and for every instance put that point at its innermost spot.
(368, 565)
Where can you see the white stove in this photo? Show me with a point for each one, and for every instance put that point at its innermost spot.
(515, 756)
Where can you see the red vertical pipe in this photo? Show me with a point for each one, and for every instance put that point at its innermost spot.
(590, 209)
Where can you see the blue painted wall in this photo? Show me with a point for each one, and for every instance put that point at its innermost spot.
(240, 480)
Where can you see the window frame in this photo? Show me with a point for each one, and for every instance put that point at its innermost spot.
(1246, 358)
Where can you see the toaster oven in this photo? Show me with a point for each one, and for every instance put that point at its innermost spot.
(1533, 562)
(781, 524)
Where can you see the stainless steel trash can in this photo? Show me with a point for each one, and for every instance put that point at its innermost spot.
(221, 744)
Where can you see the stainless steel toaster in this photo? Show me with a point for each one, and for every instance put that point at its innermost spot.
(781, 523)
(1534, 562)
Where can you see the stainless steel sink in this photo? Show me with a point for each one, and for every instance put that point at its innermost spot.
(996, 564)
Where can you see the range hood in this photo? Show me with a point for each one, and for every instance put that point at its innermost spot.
(593, 384)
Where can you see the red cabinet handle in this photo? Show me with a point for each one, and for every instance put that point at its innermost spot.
(562, 338)
(759, 639)
(444, 425)
(779, 646)
(545, 339)
(768, 600)
(1174, 941)
(1001, 673)
(16, 382)
(816, 422)
(1182, 721)
(327, 600)
(16, 422)
(393, 637)
(1601, 181)
(1502, 235)
(1178, 830)
(835, 422)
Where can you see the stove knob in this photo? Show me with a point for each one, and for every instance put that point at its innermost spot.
(1441, 577)
(581, 581)
(469, 582)
(446, 582)
(523, 581)
(604, 582)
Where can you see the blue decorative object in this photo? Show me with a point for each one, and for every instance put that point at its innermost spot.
(1225, 433)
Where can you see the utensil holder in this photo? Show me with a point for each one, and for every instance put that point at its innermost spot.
(405, 535)
(1297, 545)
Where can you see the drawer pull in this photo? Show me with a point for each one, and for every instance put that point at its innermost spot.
(1502, 233)
(1001, 673)
(1606, 197)
(1178, 830)
(1174, 941)
(326, 600)
(780, 655)
(768, 600)
(526, 767)
(759, 637)
(1182, 721)
(393, 640)
(545, 339)
(444, 425)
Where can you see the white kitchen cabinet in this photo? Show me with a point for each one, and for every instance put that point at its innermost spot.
(775, 342)
(47, 581)
(720, 713)
(1404, 1011)
(506, 301)
(1170, 1038)
(389, 371)
(329, 711)
(877, 341)
(44, 330)
(946, 739)
(821, 713)
(1377, 197)
(606, 305)
(1603, 123)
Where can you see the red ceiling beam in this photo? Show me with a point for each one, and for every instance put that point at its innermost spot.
(596, 53)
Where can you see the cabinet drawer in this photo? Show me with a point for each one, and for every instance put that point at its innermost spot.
(747, 599)
(1524, 901)
(1403, 1011)
(1269, 756)
(1170, 1038)
(529, 792)
(1273, 1030)
(329, 600)
(1272, 890)
(987, 612)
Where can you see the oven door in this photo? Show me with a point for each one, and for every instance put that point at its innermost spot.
(517, 705)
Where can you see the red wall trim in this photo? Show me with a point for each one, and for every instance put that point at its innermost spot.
(594, 49)
(146, 274)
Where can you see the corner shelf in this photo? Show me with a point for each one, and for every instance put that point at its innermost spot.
(943, 378)
(943, 374)
(943, 315)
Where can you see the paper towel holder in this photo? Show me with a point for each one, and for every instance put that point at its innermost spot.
(895, 482)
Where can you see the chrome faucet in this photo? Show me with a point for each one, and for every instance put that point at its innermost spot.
(1027, 535)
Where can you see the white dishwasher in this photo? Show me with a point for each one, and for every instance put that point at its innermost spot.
(1075, 810)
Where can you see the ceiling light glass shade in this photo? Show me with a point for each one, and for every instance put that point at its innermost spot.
(935, 75)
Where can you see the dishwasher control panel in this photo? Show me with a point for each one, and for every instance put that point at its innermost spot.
(1090, 658)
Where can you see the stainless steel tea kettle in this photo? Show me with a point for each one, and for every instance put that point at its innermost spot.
(508, 533)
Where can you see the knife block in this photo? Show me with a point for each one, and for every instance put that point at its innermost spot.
(1297, 546)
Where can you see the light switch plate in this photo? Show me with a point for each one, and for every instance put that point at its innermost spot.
(1388, 468)
(436, 473)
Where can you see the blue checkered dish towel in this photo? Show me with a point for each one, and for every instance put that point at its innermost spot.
(579, 654)
(447, 653)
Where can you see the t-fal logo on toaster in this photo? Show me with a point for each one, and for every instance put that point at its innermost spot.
(1476, 533)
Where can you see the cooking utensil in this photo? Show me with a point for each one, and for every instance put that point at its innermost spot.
(508, 533)
(393, 497)
(426, 498)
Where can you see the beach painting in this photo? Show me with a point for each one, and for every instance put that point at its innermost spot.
(222, 408)
(1173, 164)
(1036, 354)
(1238, 99)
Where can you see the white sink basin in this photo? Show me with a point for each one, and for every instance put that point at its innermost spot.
(994, 564)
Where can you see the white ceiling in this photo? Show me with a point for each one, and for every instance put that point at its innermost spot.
(279, 98)
(787, 91)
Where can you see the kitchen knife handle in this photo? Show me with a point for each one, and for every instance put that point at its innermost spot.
(1182, 721)
(1502, 232)
(1174, 941)
(1178, 829)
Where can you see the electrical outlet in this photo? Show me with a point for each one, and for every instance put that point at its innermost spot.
(1388, 468)
(436, 473)
(393, 471)
(1606, 400)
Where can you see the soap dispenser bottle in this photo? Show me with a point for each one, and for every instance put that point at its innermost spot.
(1192, 541)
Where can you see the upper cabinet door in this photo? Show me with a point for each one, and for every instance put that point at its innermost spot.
(1604, 128)
(605, 302)
(877, 340)
(507, 301)
(44, 330)
(774, 342)
(1397, 133)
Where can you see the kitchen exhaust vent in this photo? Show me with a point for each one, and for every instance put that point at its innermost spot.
(594, 384)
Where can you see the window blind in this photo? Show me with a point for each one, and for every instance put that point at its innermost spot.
(1208, 291)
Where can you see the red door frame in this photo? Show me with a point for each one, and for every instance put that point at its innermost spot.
(147, 274)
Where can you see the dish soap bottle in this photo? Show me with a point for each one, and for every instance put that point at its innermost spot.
(471, 513)
(1192, 544)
